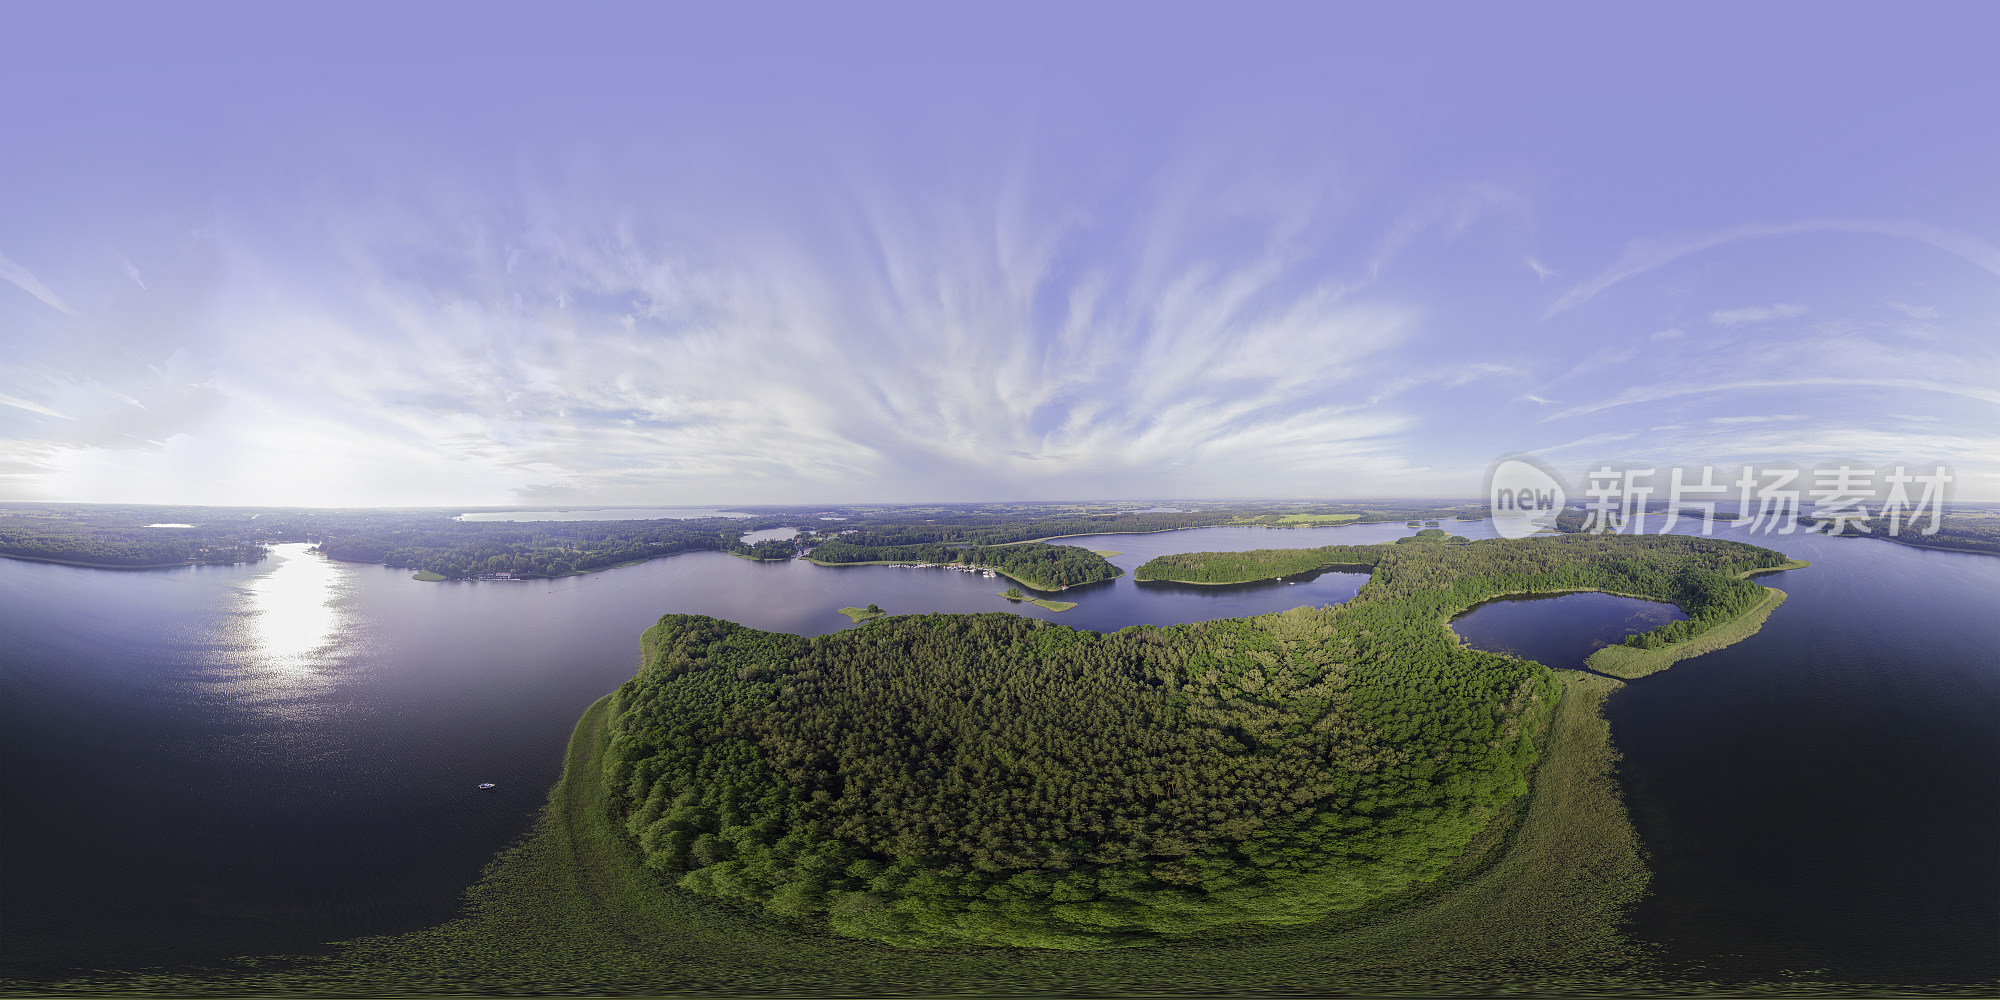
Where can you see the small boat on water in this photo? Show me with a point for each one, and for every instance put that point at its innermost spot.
(485, 785)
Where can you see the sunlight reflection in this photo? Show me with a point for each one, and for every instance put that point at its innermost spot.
(293, 612)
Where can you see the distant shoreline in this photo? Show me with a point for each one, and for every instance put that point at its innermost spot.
(87, 565)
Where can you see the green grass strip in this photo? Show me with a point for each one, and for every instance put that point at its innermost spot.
(1631, 663)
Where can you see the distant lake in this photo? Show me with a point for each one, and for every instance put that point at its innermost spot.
(604, 514)
(214, 761)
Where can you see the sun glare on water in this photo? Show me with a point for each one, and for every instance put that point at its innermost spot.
(293, 612)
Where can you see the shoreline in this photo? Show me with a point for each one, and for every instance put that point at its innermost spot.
(1053, 607)
(1625, 663)
(1368, 568)
(996, 570)
(570, 901)
(1628, 663)
(87, 565)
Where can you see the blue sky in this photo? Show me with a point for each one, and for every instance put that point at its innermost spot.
(492, 254)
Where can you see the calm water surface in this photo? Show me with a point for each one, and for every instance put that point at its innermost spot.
(216, 761)
(1561, 631)
(1823, 798)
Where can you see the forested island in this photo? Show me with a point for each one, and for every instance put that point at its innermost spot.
(1035, 564)
(530, 549)
(1956, 532)
(128, 548)
(436, 545)
(952, 780)
(767, 808)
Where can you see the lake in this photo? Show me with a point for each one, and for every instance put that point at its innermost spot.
(215, 761)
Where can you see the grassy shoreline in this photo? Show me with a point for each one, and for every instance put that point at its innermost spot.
(1045, 605)
(913, 562)
(1536, 905)
(1789, 564)
(1628, 663)
(90, 565)
(1326, 568)
(570, 910)
(1631, 664)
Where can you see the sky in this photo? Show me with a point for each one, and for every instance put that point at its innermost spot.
(502, 254)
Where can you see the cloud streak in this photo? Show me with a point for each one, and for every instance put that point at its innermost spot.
(26, 281)
(1642, 256)
(1655, 393)
(1756, 314)
(31, 407)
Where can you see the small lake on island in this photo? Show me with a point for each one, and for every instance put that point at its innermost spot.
(1559, 630)
(216, 761)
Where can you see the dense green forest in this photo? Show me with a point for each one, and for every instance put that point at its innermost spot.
(435, 541)
(1041, 566)
(1957, 532)
(935, 780)
(1705, 579)
(125, 546)
(1260, 564)
(459, 549)
(770, 548)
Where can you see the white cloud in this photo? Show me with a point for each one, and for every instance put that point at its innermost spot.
(1914, 312)
(951, 349)
(1606, 358)
(1608, 437)
(1542, 273)
(1654, 393)
(1642, 256)
(31, 407)
(27, 282)
(132, 271)
(1756, 314)
(1674, 333)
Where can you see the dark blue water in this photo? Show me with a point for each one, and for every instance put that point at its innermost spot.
(1821, 800)
(1560, 631)
(216, 761)
(1826, 795)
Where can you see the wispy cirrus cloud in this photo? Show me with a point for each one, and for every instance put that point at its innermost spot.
(1756, 314)
(892, 342)
(1655, 393)
(26, 281)
(30, 406)
(1642, 256)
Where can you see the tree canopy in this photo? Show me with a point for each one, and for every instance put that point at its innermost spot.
(938, 780)
(1041, 566)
